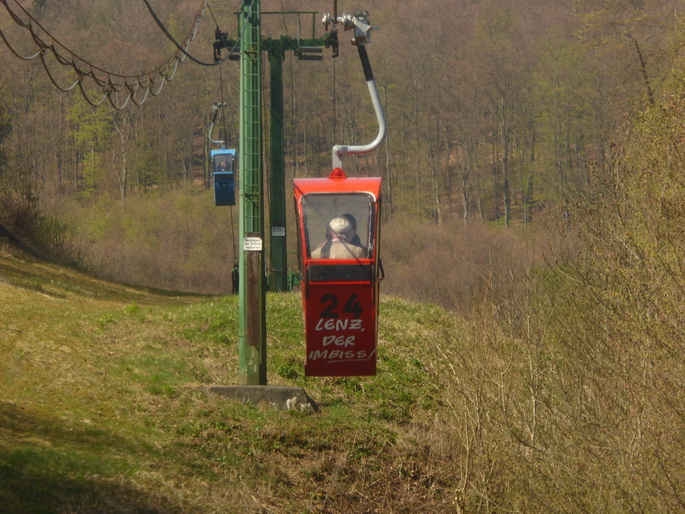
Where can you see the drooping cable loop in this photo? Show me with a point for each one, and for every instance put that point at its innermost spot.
(159, 89)
(136, 88)
(11, 48)
(142, 100)
(166, 74)
(85, 95)
(52, 78)
(116, 105)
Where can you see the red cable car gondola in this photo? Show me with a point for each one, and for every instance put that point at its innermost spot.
(339, 236)
(339, 240)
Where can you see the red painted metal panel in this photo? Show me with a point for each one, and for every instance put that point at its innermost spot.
(340, 330)
(338, 182)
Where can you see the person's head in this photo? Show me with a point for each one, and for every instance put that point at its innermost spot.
(351, 219)
(341, 228)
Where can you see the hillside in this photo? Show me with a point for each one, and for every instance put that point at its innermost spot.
(104, 406)
(559, 389)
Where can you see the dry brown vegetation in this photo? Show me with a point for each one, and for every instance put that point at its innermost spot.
(180, 241)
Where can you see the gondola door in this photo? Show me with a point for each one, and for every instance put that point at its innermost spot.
(338, 229)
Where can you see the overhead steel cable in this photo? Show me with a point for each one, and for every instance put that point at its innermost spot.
(133, 88)
(211, 13)
(171, 38)
(23, 57)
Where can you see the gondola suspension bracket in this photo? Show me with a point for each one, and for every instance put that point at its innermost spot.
(359, 23)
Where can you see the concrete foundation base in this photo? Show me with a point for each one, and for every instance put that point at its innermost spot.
(280, 397)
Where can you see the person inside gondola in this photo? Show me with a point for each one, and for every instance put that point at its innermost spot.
(222, 166)
(338, 244)
(356, 240)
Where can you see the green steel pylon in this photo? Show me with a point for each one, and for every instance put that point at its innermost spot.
(252, 297)
(279, 249)
(251, 263)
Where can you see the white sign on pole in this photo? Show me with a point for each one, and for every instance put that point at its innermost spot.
(252, 244)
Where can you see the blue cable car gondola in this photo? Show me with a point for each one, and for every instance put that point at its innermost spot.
(223, 166)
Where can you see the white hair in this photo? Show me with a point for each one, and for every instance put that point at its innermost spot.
(341, 227)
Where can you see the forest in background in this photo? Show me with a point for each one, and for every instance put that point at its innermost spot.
(497, 113)
(494, 110)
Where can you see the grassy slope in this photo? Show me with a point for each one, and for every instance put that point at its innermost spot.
(102, 406)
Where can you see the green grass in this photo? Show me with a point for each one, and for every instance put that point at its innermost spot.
(104, 406)
(518, 404)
